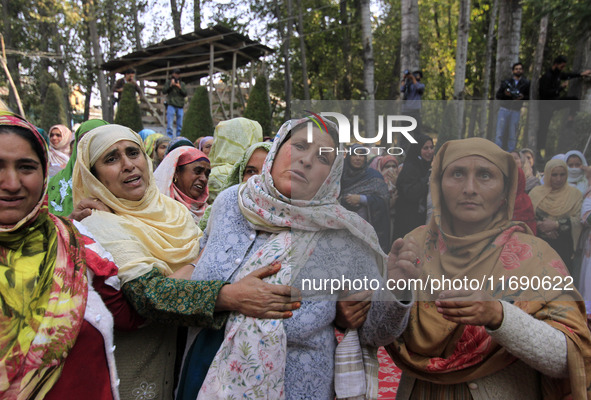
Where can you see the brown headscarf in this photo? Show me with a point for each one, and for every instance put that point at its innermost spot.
(559, 203)
(439, 351)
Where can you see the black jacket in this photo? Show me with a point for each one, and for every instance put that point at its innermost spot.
(523, 87)
(550, 86)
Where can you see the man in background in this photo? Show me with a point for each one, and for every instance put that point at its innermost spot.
(176, 92)
(513, 92)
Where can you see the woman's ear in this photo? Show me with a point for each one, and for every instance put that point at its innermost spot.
(174, 178)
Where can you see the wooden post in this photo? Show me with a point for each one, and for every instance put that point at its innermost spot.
(233, 85)
(211, 53)
(5, 66)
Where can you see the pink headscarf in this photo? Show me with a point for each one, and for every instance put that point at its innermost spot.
(60, 154)
(164, 175)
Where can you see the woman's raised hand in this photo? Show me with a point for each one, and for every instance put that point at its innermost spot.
(403, 260)
(254, 298)
(84, 208)
(470, 308)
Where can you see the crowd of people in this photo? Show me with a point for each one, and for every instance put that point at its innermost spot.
(137, 266)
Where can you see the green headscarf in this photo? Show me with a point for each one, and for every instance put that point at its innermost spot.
(60, 186)
(236, 175)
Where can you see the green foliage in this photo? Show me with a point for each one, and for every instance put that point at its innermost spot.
(54, 109)
(259, 106)
(197, 121)
(128, 111)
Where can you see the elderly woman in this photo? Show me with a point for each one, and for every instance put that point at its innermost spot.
(290, 215)
(364, 191)
(462, 345)
(153, 238)
(231, 139)
(183, 176)
(557, 206)
(56, 335)
(60, 138)
(60, 185)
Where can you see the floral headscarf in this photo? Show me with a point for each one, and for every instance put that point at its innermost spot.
(444, 352)
(296, 226)
(43, 310)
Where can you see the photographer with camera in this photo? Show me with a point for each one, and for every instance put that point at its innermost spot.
(176, 92)
(513, 92)
(412, 90)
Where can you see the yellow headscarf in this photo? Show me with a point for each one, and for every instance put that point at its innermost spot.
(560, 203)
(155, 231)
(443, 352)
(230, 141)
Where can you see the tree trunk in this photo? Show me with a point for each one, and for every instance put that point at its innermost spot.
(509, 37)
(303, 52)
(409, 38)
(98, 59)
(176, 18)
(12, 60)
(461, 58)
(487, 67)
(137, 28)
(346, 45)
(285, 50)
(368, 67)
(197, 14)
(462, 49)
(440, 66)
(533, 110)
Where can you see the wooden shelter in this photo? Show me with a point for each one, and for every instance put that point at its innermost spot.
(199, 54)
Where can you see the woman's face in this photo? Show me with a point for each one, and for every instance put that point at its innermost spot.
(558, 178)
(161, 150)
(299, 169)
(123, 169)
(428, 151)
(517, 159)
(206, 146)
(473, 191)
(21, 178)
(191, 179)
(55, 137)
(357, 161)
(574, 162)
(390, 165)
(529, 157)
(254, 166)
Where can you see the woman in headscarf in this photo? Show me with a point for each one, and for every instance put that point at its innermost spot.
(56, 334)
(183, 176)
(364, 191)
(519, 344)
(577, 170)
(60, 185)
(150, 142)
(584, 282)
(557, 206)
(290, 215)
(250, 164)
(153, 238)
(59, 148)
(413, 186)
(230, 141)
(160, 148)
(205, 144)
